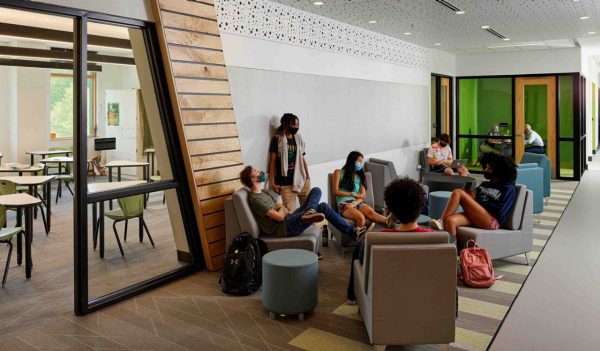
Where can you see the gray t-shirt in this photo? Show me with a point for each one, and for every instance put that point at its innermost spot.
(260, 204)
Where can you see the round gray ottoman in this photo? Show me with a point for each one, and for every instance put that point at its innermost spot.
(437, 203)
(290, 282)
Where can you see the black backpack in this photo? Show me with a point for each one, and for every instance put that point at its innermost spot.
(242, 266)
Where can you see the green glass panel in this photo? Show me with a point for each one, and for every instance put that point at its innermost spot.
(536, 109)
(483, 103)
(471, 149)
(567, 157)
(566, 106)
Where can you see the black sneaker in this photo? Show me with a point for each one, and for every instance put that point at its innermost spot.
(312, 216)
(359, 232)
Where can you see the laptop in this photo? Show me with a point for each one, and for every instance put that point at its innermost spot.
(458, 163)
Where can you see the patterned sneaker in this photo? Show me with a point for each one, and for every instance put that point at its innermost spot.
(359, 232)
(436, 224)
(312, 216)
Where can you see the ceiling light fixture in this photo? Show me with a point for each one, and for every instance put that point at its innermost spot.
(506, 39)
(485, 27)
(407, 33)
(493, 32)
(515, 45)
(583, 17)
(590, 33)
(318, 3)
(437, 44)
(451, 7)
(372, 21)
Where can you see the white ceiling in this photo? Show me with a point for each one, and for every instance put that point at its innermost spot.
(545, 23)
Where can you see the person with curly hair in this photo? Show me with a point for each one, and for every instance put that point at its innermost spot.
(405, 199)
(489, 206)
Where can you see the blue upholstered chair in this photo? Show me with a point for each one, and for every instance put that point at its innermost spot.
(531, 175)
(544, 162)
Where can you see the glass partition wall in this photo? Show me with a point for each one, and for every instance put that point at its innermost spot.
(132, 221)
(488, 119)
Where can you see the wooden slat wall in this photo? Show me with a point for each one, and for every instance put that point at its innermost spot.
(199, 90)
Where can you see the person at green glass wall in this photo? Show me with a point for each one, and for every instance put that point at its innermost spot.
(533, 141)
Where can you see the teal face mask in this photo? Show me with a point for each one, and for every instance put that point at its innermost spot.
(357, 166)
(262, 177)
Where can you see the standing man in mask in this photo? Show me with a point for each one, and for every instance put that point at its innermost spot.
(439, 157)
(288, 171)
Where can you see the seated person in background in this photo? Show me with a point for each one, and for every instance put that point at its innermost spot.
(533, 141)
(404, 198)
(492, 144)
(275, 220)
(488, 208)
(439, 157)
(349, 187)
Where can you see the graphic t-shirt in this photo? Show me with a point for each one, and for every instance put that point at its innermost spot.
(439, 153)
(260, 204)
(292, 149)
(497, 199)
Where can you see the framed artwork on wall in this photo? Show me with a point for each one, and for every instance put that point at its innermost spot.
(112, 118)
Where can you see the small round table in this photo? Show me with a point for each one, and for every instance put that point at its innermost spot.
(290, 282)
(437, 203)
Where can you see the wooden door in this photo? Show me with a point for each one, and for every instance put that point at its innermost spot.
(520, 120)
(445, 105)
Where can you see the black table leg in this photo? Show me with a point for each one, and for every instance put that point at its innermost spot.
(31, 159)
(49, 204)
(31, 192)
(94, 223)
(19, 237)
(101, 229)
(28, 237)
(110, 205)
(119, 174)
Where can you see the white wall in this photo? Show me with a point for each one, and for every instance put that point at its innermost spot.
(443, 62)
(591, 70)
(137, 9)
(8, 112)
(525, 62)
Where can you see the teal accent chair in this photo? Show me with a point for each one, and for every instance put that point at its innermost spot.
(6, 235)
(531, 175)
(129, 208)
(544, 162)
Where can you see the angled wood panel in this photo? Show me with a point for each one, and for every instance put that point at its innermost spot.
(200, 93)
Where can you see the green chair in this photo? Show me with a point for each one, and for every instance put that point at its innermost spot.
(63, 178)
(7, 188)
(55, 165)
(129, 208)
(6, 236)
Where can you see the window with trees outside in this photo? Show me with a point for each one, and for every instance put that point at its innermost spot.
(61, 105)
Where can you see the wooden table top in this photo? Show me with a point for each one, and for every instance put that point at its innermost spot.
(62, 159)
(20, 168)
(29, 180)
(48, 152)
(98, 187)
(126, 164)
(19, 200)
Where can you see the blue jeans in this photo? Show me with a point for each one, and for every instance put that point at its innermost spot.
(535, 150)
(293, 221)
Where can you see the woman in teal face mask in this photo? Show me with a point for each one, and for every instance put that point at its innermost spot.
(349, 188)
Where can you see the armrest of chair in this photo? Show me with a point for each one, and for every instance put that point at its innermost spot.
(527, 165)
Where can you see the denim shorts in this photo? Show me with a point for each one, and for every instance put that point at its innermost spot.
(343, 206)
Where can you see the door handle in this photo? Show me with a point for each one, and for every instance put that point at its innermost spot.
(519, 135)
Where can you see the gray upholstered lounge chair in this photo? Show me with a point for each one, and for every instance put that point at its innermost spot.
(239, 219)
(514, 238)
(406, 288)
(383, 172)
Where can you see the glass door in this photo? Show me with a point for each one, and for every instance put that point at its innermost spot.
(441, 105)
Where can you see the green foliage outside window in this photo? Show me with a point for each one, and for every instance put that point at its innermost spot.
(61, 105)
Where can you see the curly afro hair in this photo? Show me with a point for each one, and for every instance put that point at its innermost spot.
(404, 197)
(503, 167)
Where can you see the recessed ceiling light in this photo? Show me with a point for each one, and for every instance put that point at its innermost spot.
(437, 44)
(583, 17)
(407, 33)
(372, 21)
(318, 3)
(485, 27)
(506, 39)
(590, 33)
(461, 12)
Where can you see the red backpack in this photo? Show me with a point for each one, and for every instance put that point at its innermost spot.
(476, 266)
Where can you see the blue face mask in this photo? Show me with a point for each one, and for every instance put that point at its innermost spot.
(358, 166)
(262, 177)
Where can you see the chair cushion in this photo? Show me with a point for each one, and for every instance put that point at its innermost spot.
(515, 216)
(6, 234)
(116, 215)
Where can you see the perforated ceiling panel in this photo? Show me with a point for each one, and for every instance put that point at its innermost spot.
(523, 21)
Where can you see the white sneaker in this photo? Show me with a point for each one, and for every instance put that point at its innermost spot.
(350, 302)
(436, 224)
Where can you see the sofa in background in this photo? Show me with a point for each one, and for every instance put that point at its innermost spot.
(532, 176)
(544, 162)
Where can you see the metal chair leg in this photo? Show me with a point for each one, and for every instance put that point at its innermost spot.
(69, 188)
(95, 238)
(44, 219)
(526, 258)
(141, 230)
(10, 249)
(147, 231)
(125, 236)
(117, 237)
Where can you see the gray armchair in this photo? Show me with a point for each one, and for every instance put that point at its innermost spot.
(239, 219)
(406, 288)
(383, 172)
(344, 240)
(514, 238)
